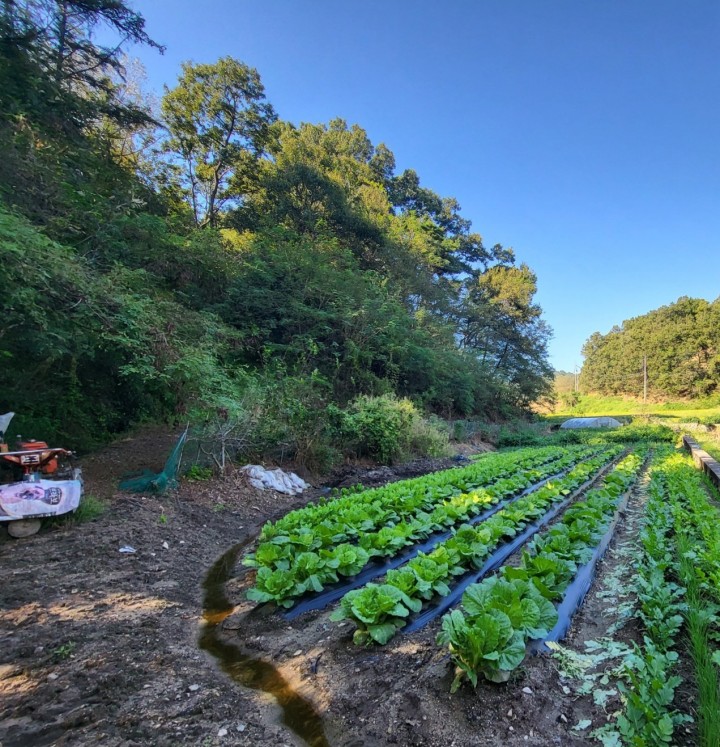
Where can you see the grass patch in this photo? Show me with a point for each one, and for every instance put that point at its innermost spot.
(89, 509)
(704, 410)
(63, 652)
(539, 434)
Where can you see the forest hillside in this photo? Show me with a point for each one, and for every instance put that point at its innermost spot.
(196, 257)
(677, 346)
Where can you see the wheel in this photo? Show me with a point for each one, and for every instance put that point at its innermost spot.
(23, 528)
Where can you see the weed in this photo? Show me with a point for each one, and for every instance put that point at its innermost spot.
(64, 651)
(89, 509)
(196, 473)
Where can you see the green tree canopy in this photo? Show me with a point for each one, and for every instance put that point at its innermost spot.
(681, 343)
(218, 123)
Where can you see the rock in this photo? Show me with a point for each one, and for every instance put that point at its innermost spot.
(21, 528)
(222, 732)
(298, 652)
(527, 691)
(193, 688)
(233, 622)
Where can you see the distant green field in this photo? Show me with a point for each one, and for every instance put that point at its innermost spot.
(705, 411)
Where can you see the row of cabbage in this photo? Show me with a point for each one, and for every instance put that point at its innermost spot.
(338, 538)
(381, 610)
(356, 512)
(500, 615)
(677, 586)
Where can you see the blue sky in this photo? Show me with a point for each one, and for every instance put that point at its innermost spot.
(586, 135)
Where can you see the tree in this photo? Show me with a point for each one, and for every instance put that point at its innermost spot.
(680, 342)
(502, 326)
(218, 123)
(61, 33)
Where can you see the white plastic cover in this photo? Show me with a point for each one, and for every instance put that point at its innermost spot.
(274, 479)
(599, 422)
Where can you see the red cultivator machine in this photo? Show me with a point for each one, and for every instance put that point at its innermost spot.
(36, 481)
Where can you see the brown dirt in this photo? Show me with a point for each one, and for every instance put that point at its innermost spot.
(101, 648)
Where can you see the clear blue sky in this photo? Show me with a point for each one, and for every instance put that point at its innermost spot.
(583, 133)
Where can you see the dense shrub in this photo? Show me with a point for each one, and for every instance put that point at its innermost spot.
(388, 429)
(379, 427)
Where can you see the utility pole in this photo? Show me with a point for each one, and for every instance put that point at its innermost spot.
(576, 377)
(644, 379)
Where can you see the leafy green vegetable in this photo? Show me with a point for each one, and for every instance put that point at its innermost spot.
(378, 610)
(488, 644)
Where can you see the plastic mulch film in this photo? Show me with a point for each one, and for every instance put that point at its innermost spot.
(378, 567)
(496, 559)
(580, 585)
(157, 482)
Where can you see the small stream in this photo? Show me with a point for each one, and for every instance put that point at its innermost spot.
(298, 714)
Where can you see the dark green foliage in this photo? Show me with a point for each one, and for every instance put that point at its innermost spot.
(85, 355)
(250, 275)
(682, 345)
(380, 426)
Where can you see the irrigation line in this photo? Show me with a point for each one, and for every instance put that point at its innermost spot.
(338, 590)
(500, 555)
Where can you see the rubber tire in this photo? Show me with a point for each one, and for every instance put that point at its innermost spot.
(23, 528)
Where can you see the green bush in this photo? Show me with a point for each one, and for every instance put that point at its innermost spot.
(427, 438)
(520, 433)
(389, 429)
(379, 427)
(196, 473)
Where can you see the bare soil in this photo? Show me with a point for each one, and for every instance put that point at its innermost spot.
(101, 648)
(98, 647)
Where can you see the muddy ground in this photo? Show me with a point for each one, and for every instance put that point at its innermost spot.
(101, 648)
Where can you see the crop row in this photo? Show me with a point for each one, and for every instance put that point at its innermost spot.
(358, 512)
(380, 610)
(502, 613)
(676, 587)
(306, 560)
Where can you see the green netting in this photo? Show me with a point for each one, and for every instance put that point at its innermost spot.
(156, 482)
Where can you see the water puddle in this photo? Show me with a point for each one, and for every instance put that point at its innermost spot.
(298, 714)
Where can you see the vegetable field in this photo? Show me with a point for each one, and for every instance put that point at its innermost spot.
(565, 595)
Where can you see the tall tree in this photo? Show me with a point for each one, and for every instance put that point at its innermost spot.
(218, 123)
(502, 326)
